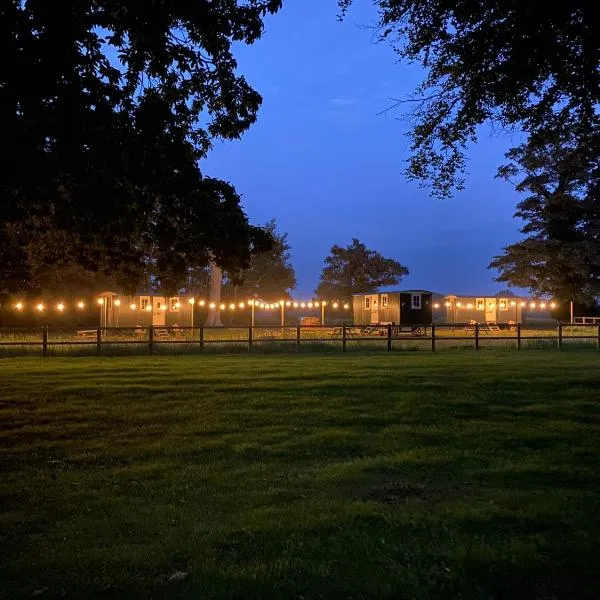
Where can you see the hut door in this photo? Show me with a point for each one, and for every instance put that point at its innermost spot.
(374, 309)
(158, 311)
(490, 309)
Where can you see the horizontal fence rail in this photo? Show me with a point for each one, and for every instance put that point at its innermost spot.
(387, 337)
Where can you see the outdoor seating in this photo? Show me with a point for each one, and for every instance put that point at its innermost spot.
(86, 334)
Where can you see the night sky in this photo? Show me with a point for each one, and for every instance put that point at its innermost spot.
(327, 167)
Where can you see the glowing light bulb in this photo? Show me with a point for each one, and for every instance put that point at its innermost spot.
(202, 303)
(281, 302)
(261, 305)
(191, 301)
(251, 302)
(295, 305)
(323, 303)
(60, 307)
(543, 305)
(242, 305)
(177, 305)
(447, 304)
(81, 305)
(469, 305)
(459, 304)
(163, 307)
(40, 307)
(100, 301)
(288, 303)
(316, 304)
(532, 305)
(335, 305)
(222, 306)
(513, 303)
(552, 304)
(232, 306)
(523, 304)
(19, 306)
(148, 308)
(117, 302)
(346, 306)
(436, 305)
(133, 306)
(212, 306)
(302, 304)
(310, 305)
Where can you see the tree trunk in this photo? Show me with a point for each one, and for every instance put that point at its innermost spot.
(213, 319)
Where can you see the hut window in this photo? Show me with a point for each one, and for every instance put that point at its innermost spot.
(480, 304)
(174, 304)
(416, 302)
(384, 301)
(144, 302)
(503, 304)
(367, 302)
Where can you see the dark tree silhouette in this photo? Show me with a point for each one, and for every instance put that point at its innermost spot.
(356, 269)
(560, 255)
(269, 275)
(526, 65)
(107, 107)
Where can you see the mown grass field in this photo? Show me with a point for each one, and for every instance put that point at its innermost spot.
(404, 475)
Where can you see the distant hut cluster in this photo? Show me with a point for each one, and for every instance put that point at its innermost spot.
(146, 311)
(402, 307)
(414, 307)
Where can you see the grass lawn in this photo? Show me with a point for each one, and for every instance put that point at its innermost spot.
(410, 475)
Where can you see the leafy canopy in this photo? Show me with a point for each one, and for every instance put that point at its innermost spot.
(559, 171)
(106, 107)
(355, 269)
(516, 64)
(270, 275)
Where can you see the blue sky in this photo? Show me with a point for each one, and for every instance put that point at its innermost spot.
(323, 163)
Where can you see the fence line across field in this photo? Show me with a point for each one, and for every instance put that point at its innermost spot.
(341, 336)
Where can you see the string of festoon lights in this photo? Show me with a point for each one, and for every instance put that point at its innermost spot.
(493, 305)
(61, 307)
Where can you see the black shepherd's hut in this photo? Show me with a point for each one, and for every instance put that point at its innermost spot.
(403, 307)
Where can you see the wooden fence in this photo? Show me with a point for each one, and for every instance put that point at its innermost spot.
(149, 340)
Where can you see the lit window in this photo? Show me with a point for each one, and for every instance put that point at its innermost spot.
(503, 304)
(144, 302)
(174, 304)
(384, 301)
(367, 302)
(416, 302)
(480, 303)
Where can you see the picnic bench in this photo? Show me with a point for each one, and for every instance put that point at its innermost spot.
(485, 328)
(86, 334)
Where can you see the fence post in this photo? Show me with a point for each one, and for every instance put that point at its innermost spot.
(151, 339)
(298, 337)
(344, 337)
(560, 335)
(45, 340)
(518, 336)
(250, 338)
(201, 337)
(98, 340)
(432, 337)
(476, 336)
(389, 338)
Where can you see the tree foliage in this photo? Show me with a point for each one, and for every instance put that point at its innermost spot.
(527, 65)
(269, 275)
(355, 269)
(559, 171)
(106, 108)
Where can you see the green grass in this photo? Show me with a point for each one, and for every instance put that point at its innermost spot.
(410, 475)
